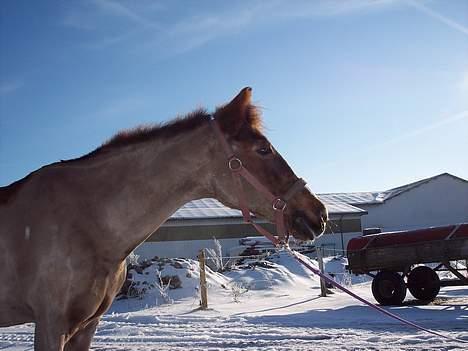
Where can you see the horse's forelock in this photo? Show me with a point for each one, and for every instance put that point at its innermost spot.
(254, 118)
(240, 124)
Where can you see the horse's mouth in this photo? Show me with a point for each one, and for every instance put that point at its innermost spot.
(305, 229)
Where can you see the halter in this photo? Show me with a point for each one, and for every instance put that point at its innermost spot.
(278, 204)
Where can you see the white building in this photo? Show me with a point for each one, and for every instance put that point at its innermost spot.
(435, 201)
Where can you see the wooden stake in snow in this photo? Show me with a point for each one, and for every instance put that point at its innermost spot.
(323, 285)
(203, 290)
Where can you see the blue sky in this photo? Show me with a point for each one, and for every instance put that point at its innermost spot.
(357, 95)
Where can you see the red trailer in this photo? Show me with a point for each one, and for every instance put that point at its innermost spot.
(391, 258)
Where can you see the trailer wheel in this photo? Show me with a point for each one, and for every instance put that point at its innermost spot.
(423, 283)
(389, 288)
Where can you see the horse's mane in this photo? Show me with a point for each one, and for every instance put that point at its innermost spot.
(142, 134)
(175, 126)
(148, 132)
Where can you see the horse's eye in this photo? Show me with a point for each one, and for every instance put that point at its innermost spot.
(264, 150)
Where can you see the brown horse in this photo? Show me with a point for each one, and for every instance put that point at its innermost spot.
(67, 228)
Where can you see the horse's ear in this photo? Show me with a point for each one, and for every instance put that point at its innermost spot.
(233, 115)
(243, 99)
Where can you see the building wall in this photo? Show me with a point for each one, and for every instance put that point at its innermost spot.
(185, 238)
(206, 231)
(441, 201)
(182, 248)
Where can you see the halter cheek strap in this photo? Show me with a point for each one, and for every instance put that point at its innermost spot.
(278, 204)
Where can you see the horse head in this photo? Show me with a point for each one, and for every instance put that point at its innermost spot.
(240, 123)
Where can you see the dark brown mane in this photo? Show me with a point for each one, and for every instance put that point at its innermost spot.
(175, 126)
(148, 132)
(142, 134)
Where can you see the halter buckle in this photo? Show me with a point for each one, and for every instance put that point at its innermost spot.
(235, 164)
(279, 205)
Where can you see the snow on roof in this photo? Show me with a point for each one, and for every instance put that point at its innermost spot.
(378, 197)
(212, 208)
(358, 198)
(336, 203)
(340, 207)
(205, 208)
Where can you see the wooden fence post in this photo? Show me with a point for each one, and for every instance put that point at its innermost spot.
(203, 292)
(323, 285)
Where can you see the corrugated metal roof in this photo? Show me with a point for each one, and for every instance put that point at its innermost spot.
(212, 208)
(388, 194)
(205, 208)
(359, 198)
(340, 208)
(337, 203)
(377, 197)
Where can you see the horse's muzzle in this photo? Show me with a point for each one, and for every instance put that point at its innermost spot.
(305, 228)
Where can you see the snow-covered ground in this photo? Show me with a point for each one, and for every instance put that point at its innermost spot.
(278, 308)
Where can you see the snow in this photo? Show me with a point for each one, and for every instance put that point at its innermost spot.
(279, 308)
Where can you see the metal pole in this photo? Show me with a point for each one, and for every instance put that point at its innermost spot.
(341, 234)
(323, 285)
(203, 292)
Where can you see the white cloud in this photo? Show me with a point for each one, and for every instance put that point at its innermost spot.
(328, 8)
(446, 120)
(94, 15)
(200, 25)
(118, 9)
(431, 13)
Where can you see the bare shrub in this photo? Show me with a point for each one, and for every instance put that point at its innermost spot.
(215, 257)
(238, 290)
(163, 287)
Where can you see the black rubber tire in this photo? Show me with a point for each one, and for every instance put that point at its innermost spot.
(389, 288)
(423, 283)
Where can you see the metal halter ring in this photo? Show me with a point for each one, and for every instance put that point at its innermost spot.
(235, 164)
(279, 205)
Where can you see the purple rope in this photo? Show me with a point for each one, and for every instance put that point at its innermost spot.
(370, 304)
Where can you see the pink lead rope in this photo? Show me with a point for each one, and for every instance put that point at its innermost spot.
(370, 304)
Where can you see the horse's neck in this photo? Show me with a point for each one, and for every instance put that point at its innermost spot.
(152, 182)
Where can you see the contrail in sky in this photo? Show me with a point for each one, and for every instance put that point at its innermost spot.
(444, 121)
(436, 15)
(415, 132)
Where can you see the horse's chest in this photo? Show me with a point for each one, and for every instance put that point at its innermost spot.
(95, 296)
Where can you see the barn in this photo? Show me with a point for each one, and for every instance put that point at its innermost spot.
(193, 227)
(434, 201)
